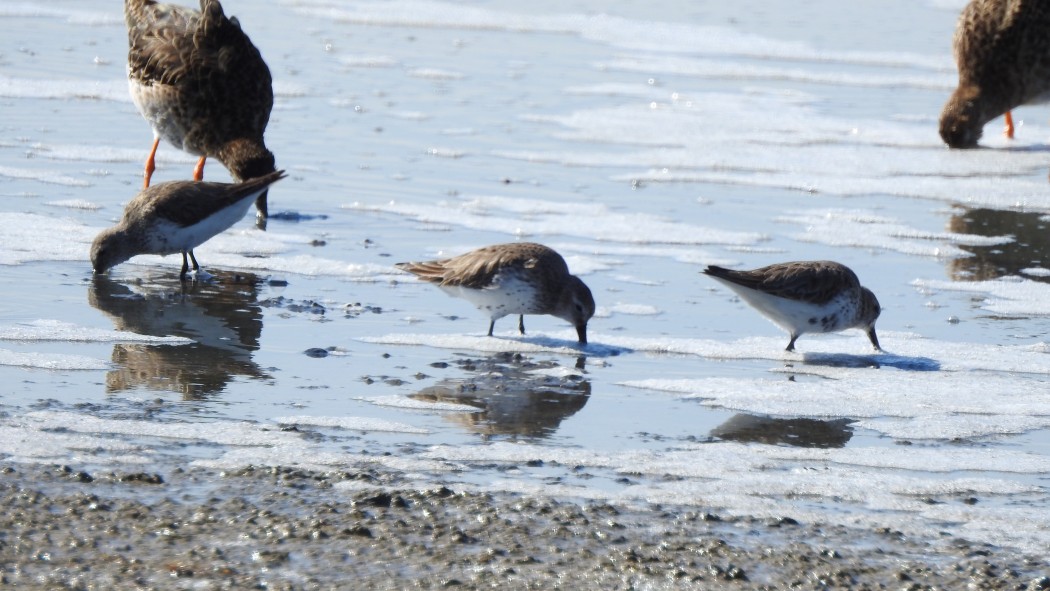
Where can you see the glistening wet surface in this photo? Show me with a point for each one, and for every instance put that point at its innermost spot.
(642, 145)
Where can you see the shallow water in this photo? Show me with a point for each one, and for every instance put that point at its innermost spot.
(641, 142)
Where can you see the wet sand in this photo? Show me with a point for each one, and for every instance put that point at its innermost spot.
(283, 528)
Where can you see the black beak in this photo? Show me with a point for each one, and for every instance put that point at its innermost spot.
(581, 333)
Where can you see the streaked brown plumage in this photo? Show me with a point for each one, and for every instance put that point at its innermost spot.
(202, 85)
(514, 278)
(1002, 50)
(806, 296)
(176, 216)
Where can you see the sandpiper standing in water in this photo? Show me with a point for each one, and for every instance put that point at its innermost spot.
(516, 278)
(202, 85)
(806, 296)
(175, 217)
(1002, 50)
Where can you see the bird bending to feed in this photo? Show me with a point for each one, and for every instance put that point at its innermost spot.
(1002, 50)
(516, 278)
(806, 296)
(202, 85)
(175, 217)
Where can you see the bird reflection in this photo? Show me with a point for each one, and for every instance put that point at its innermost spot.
(514, 396)
(793, 432)
(1030, 247)
(222, 317)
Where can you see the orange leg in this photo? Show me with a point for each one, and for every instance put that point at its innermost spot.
(198, 171)
(1009, 131)
(151, 164)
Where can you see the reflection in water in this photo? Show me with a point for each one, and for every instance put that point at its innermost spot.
(1030, 248)
(221, 316)
(794, 432)
(515, 396)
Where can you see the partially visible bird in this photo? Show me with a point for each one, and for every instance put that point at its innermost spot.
(806, 296)
(515, 278)
(1002, 50)
(202, 85)
(176, 216)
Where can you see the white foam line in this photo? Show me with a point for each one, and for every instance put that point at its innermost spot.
(314, 458)
(34, 237)
(903, 350)
(682, 254)
(435, 74)
(735, 70)
(770, 481)
(730, 460)
(306, 265)
(1036, 271)
(901, 404)
(351, 423)
(982, 192)
(56, 330)
(77, 17)
(78, 204)
(109, 154)
(33, 88)
(536, 342)
(637, 35)
(534, 217)
(630, 309)
(29, 444)
(43, 176)
(866, 229)
(368, 61)
(1010, 296)
(53, 361)
(414, 404)
(221, 432)
(252, 250)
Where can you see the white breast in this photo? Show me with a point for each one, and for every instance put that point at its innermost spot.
(799, 317)
(508, 294)
(169, 238)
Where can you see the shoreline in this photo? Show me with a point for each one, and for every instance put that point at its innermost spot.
(285, 528)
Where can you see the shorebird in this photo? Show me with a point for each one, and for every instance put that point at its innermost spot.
(176, 216)
(516, 278)
(1002, 50)
(201, 84)
(806, 296)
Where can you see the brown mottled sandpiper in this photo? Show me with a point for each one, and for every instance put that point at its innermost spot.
(175, 217)
(1002, 50)
(806, 296)
(516, 278)
(202, 85)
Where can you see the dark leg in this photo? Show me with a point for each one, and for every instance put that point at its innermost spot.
(491, 325)
(185, 266)
(521, 323)
(196, 267)
(262, 210)
(791, 345)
